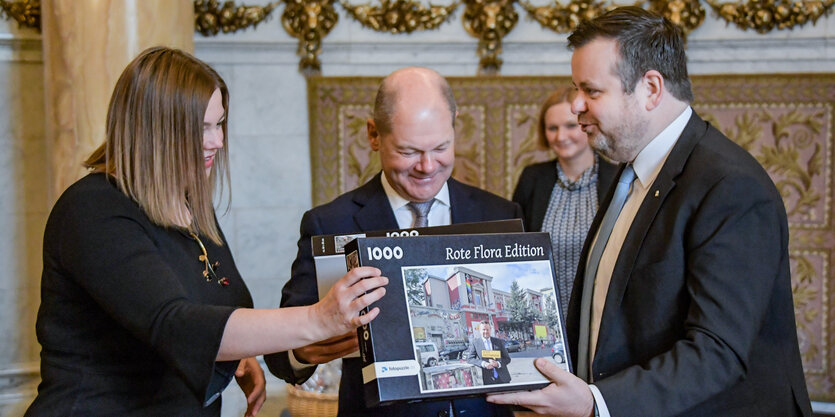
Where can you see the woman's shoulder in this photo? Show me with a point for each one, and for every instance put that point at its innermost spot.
(549, 164)
(95, 192)
(92, 184)
(538, 169)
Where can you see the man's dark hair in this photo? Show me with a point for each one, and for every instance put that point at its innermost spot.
(646, 41)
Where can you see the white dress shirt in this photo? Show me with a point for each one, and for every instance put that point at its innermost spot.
(647, 165)
(440, 214)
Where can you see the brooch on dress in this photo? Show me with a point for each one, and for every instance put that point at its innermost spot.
(209, 270)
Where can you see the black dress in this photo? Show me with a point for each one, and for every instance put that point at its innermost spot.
(128, 324)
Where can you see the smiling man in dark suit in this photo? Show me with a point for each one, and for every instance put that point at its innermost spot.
(682, 305)
(412, 129)
(489, 354)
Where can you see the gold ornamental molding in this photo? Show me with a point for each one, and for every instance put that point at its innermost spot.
(400, 16)
(210, 18)
(686, 14)
(564, 19)
(489, 21)
(765, 16)
(309, 21)
(27, 13)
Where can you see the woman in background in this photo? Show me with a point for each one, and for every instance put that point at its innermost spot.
(561, 196)
(143, 311)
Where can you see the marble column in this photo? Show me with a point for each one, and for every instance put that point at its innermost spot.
(86, 45)
(51, 117)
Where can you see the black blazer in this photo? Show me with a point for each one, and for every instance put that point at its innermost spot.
(367, 208)
(128, 324)
(699, 319)
(533, 190)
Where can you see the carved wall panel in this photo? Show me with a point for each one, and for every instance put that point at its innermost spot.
(490, 21)
(785, 121)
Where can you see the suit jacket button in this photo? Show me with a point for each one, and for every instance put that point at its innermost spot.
(443, 413)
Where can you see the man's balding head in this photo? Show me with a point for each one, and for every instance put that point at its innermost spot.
(402, 89)
(413, 131)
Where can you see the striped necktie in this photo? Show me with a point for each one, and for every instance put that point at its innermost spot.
(421, 212)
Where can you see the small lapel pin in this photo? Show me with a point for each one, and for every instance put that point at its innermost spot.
(656, 193)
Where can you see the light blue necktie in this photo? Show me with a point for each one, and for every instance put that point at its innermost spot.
(606, 226)
(489, 346)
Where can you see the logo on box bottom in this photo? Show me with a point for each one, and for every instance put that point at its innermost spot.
(389, 369)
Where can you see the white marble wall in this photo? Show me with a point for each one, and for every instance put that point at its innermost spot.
(268, 139)
(23, 210)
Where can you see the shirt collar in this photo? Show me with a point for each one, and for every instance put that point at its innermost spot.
(397, 201)
(648, 163)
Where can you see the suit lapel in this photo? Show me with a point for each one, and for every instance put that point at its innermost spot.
(461, 204)
(374, 211)
(633, 243)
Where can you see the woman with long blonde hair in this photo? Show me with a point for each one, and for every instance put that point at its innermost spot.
(143, 311)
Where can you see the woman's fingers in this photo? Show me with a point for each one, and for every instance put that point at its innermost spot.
(355, 291)
(368, 284)
(358, 273)
(366, 318)
(367, 299)
(369, 290)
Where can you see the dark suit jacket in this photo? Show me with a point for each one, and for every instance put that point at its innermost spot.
(533, 190)
(474, 353)
(698, 319)
(365, 209)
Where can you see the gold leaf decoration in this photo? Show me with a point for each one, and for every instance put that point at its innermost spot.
(489, 21)
(748, 130)
(564, 19)
(686, 14)
(467, 160)
(309, 21)
(793, 132)
(529, 150)
(359, 150)
(400, 16)
(210, 17)
(807, 298)
(791, 135)
(27, 13)
(804, 274)
(766, 15)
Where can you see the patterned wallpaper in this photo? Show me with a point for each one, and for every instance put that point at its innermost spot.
(785, 121)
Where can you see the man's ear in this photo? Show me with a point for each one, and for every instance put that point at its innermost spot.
(653, 82)
(373, 135)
